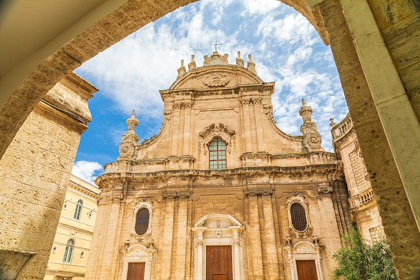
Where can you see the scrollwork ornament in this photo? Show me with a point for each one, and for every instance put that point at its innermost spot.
(126, 150)
(216, 80)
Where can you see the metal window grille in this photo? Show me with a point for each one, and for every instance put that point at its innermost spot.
(298, 214)
(68, 252)
(217, 151)
(78, 209)
(142, 221)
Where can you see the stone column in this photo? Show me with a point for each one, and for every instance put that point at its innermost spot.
(199, 256)
(178, 269)
(187, 129)
(380, 124)
(270, 252)
(175, 129)
(259, 120)
(247, 125)
(254, 239)
(111, 252)
(236, 252)
(397, 116)
(166, 250)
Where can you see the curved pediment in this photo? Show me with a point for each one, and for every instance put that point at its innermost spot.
(216, 76)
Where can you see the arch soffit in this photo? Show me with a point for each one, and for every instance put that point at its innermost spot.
(200, 222)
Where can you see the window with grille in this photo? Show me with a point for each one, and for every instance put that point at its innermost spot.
(78, 209)
(142, 221)
(298, 214)
(69, 251)
(217, 151)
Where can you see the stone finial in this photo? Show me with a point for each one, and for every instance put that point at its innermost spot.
(305, 112)
(251, 65)
(192, 65)
(311, 138)
(129, 139)
(182, 70)
(332, 122)
(239, 60)
(132, 121)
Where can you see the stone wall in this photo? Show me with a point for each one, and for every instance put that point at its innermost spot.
(34, 173)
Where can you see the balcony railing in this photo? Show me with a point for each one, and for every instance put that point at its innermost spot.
(361, 199)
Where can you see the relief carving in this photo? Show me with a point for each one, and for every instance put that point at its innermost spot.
(216, 80)
(216, 130)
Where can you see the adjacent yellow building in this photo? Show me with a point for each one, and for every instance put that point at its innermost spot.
(73, 238)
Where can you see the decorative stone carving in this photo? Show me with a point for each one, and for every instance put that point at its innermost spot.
(174, 195)
(216, 130)
(192, 65)
(263, 191)
(218, 233)
(129, 139)
(216, 80)
(181, 70)
(311, 137)
(251, 65)
(239, 60)
(288, 241)
(216, 59)
(324, 189)
(315, 240)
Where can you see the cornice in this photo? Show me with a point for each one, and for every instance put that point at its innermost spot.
(298, 171)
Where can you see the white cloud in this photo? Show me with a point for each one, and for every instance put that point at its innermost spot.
(86, 170)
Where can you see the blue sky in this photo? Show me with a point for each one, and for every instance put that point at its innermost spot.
(285, 47)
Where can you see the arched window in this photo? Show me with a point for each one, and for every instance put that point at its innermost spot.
(142, 221)
(217, 151)
(69, 251)
(298, 215)
(78, 209)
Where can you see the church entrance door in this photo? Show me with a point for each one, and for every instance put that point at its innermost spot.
(219, 263)
(306, 270)
(136, 271)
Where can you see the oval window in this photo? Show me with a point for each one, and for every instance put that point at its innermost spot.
(142, 221)
(298, 214)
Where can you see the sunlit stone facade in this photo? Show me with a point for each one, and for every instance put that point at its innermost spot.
(271, 205)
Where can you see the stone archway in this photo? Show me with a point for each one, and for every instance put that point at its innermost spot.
(377, 74)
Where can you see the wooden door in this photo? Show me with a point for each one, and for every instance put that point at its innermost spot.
(219, 263)
(306, 270)
(136, 271)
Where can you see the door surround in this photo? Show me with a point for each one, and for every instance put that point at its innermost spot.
(304, 250)
(218, 230)
(135, 254)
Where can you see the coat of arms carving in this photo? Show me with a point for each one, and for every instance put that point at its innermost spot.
(216, 80)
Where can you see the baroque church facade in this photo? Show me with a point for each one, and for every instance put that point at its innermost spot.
(221, 192)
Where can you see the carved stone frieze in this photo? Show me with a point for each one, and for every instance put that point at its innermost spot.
(216, 80)
(174, 195)
(262, 191)
(324, 189)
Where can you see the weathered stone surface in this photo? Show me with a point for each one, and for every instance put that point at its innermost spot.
(35, 170)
